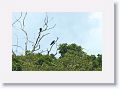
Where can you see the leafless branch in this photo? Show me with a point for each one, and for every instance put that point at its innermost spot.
(56, 46)
(43, 51)
(13, 53)
(18, 46)
(22, 26)
(38, 41)
(40, 36)
(24, 20)
(17, 43)
(37, 48)
(55, 41)
(46, 21)
(45, 26)
(26, 43)
(30, 41)
(56, 49)
(17, 19)
(51, 27)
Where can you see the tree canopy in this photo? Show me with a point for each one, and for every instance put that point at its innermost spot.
(72, 58)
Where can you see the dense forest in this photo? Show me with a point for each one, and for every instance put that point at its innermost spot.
(72, 58)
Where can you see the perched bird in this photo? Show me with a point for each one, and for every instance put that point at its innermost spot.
(53, 42)
(40, 29)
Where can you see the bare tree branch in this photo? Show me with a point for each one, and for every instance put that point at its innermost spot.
(46, 21)
(46, 24)
(50, 27)
(55, 41)
(40, 36)
(38, 41)
(37, 48)
(26, 43)
(56, 49)
(43, 51)
(18, 46)
(17, 19)
(22, 26)
(13, 53)
(24, 20)
(30, 41)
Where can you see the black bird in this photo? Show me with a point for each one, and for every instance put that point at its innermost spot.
(53, 42)
(40, 29)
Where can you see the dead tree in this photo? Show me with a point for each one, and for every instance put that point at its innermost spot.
(22, 26)
(41, 34)
(36, 45)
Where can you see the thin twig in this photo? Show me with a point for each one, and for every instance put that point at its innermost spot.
(38, 41)
(18, 46)
(24, 20)
(56, 49)
(37, 48)
(46, 23)
(22, 25)
(17, 19)
(13, 53)
(42, 38)
(43, 51)
(49, 28)
(52, 45)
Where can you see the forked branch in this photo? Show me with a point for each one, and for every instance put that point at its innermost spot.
(52, 44)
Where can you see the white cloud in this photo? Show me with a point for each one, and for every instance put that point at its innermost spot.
(96, 15)
(95, 32)
(93, 44)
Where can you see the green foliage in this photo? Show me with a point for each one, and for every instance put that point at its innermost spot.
(72, 58)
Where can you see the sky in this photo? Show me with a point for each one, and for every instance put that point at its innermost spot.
(82, 28)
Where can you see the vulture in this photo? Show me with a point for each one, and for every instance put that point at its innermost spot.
(53, 42)
(40, 29)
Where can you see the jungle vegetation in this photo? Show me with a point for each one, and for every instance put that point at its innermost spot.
(72, 58)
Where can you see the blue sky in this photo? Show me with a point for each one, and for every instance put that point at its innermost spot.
(82, 28)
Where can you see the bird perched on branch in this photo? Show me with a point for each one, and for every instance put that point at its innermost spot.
(53, 42)
(40, 29)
